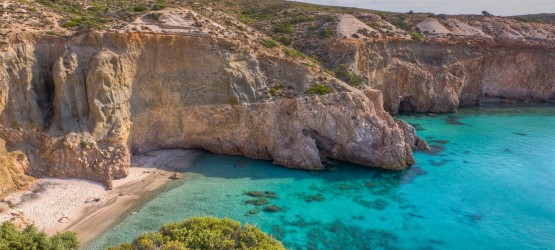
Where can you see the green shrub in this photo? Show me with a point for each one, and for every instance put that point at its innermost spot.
(302, 19)
(417, 36)
(31, 238)
(284, 27)
(331, 18)
(403, 25)
(327, 33)
(285, 40)
(522, 19)
(159, 6)
(84, 23)
(247, 19)
(374, 26)
(319, 89)
(344, 73)
(293, 52)
(204, 233)
(269, 43)
(71, 24)
(140, 8)
(84, 144)
(274, 89)
(155, 16)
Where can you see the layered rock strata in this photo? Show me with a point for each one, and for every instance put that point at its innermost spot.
(436, 77)
(80, 107)
(461, 61)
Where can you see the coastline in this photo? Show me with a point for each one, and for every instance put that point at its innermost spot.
(86, 208)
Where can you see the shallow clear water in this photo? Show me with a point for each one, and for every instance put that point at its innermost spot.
(488, 184)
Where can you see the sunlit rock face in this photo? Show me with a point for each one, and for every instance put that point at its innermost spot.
(80, 107)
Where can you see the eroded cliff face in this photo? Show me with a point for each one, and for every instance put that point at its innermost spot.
(450, 61)
(12, 171)
(436, 77)
(80, 107)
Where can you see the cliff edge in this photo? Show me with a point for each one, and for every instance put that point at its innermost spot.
(79, 106)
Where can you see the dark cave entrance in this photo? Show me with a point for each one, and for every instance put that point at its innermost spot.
(408, 103)
(45, 90)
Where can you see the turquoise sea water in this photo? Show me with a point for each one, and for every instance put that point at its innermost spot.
(487, 184)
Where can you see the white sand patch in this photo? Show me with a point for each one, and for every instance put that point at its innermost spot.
(349, 25)
(431, 26)
(85, 207)
(174, 21)
(462, 29)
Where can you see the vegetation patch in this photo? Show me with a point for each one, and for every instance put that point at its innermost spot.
(297, 54)
(159, 6)
(32, 238)
(270, 43)
(155, 16)
(344, 73)
(402, 23)
(417, 36)
(204, 233)
(327, 33)
(274, 89)
(285, 27)
(140, 8)
(319, 89)
(285, 40)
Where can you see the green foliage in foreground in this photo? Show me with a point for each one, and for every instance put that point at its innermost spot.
(204, 233)
(31, 238)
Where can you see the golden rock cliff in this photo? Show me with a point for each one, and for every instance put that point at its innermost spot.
(463, 61)
(79, 107)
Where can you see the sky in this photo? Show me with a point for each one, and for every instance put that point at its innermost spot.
(496, 7)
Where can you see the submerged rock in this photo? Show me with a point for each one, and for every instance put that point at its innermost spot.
(258, 202)
(176, 176)
(272, 209)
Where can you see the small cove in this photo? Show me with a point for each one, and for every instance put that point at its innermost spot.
(487, 183)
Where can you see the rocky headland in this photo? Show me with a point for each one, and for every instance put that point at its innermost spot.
(292, 83)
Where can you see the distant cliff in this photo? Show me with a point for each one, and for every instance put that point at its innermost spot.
(450, 62)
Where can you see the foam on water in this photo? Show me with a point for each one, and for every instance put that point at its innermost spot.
(487, 184)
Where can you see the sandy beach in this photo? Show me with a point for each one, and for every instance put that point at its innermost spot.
(84, 207)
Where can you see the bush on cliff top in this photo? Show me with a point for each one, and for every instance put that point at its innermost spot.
(204, 233)
(31, 238)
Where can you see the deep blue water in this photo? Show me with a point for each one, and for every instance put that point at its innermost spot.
(488, 183)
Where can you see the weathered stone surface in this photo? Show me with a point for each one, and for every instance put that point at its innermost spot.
(435, 77)
(12, 171)
(79, 108)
